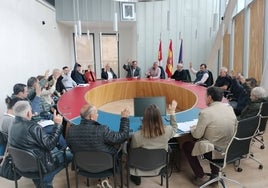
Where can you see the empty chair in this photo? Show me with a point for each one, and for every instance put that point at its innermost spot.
(238, 148)
(148, 160)
(96, 164)
(29, 165)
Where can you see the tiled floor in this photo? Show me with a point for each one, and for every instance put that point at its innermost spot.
(250, 177)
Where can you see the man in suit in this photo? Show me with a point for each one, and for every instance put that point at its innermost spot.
(201, 75)
(133, 71)
(215, 127)
(107, 73)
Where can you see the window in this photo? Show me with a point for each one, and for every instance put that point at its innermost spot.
(109, 51)
(84, 51)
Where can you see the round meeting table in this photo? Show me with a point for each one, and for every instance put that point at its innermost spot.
(190, 99)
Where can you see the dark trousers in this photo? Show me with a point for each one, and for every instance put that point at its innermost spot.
(194, 162)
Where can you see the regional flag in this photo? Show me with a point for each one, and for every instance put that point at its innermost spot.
(160, 53)
(169, 65)
(181, 53)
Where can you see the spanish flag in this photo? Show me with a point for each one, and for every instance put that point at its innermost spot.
(169, 66)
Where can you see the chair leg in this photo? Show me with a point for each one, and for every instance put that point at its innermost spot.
(127, 177)
(115, 180)
(76, 179)
(16, 183)
(121, 174)
(67, 176)
(87, 182)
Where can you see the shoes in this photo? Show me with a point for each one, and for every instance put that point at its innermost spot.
(105, 184)
(200, 181)
(135, 179)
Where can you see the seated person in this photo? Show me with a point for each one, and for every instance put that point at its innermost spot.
(201, 75)
(21, 92)
(153, 135)
(77, 74)
(90, 74)
(154, 72)
(240, 94)
(133, 71)
(67, 80)
(28, 135)
(6, 121)
(252, 82)
(224, 80)
(107, 73)
(91, 135)
(210, 130)
(180, 74)
(57, 77)
(257, 96)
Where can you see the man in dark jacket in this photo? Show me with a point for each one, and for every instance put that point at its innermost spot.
(257, 96)
(28, 135)
(77, 74)
(180, 74)
(91, 135)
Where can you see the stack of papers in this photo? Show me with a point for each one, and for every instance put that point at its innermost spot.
(185, 126)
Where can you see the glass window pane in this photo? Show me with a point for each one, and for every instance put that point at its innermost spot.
(109, 51)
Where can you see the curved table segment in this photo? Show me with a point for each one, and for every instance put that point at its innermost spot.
(190, 98)
(120, 90)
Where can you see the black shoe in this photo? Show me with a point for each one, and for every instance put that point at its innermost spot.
(135, 179)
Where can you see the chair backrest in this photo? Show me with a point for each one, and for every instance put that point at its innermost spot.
(93, 161)
(210, 80)
(147, 159)
(240, 143)
(163, 74)
(264, 116)
(188, 75)
(24, 161)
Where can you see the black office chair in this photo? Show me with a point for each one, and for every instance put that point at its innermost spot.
(237, 149)
(188, 77)
(263, 122)
(263, 113)
(96, 164)
(147, 160)
(28, 165)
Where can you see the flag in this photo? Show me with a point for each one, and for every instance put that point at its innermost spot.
(181, 53)
(160, 53)
(169, 66)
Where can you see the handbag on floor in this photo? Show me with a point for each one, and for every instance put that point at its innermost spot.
(6, 168)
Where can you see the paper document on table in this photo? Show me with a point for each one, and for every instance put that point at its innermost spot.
(185, 126)
(45, 123)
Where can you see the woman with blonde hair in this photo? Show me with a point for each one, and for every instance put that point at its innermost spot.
(153, 135)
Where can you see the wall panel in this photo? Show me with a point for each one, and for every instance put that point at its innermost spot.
(226, 49)
(256, 39)
(238, 42)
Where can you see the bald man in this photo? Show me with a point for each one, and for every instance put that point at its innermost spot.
(91, 135)
(180, 74)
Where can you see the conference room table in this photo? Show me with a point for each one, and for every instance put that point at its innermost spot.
(190, 99)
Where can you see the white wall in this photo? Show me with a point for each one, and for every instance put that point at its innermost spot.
(27, 47)
(189, 19)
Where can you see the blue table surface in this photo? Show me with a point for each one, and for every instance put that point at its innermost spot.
(113, 120)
